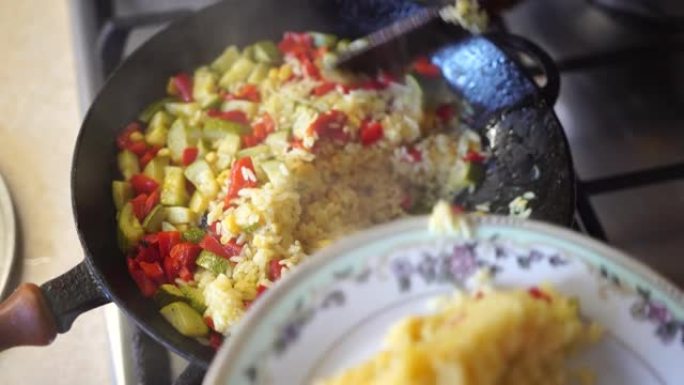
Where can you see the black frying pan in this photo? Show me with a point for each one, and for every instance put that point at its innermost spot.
(530, 150)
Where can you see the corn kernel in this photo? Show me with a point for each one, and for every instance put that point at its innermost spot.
(136, 136)
(211, 157)
(285, 72)
(273, 73)
(164, 152)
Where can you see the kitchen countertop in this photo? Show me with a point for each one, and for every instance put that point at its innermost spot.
(40, 120)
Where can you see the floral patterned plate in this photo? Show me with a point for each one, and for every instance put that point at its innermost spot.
(332, 311)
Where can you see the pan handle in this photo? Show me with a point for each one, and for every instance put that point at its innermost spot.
(516, 44)
(34, 315)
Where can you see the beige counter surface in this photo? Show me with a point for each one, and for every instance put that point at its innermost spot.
(39, 120)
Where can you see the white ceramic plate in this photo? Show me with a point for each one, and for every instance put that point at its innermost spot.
(7, 235)
(333, 310)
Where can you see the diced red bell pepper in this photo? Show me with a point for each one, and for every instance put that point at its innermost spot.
(215, 340)
(241, 176)
(145, 284)
(260, 290)
(370, 132)
(181, 85)
(181, 261)
(297, 143)
(310, 68)
(189, 155)
(139, 148)
(148, 155)
(209, 322)
(150, 240)
(123, 140)
(148, 254)
(414, 154)
(323, 88)
(260, 130)
(275, 269)
(236, 116)
(424, 67)
(294, 43)
(474, 156)
(212, 244)
(143, 184)
(330, 125)
(138, 204)
(445, 113)
(167, 240)
(153, 271)
(537, 293)
(151, 201)
(248, 92)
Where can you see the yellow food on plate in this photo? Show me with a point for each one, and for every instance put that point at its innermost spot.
(516, 337)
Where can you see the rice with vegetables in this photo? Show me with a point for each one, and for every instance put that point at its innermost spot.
(256, 161)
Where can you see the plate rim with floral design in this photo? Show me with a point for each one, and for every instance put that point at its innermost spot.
(611, 264)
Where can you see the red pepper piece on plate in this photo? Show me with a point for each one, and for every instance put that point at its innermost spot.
(139, 148)
(215, 340)
(424, 67)
(537, 293)
(260, 130)
(370, 132)
(181, 85)
(148, 254)
(248, 92)
(296, 44)
(143, 184)
(153, 271)
(242, 175)
(189, 155)
(151, 201)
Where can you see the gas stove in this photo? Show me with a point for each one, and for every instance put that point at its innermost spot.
(621, 105)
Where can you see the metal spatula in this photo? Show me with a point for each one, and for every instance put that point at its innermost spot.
(394, 47)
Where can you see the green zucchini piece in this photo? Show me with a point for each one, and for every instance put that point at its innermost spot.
(153, 220)
(228, 147)
(168, 293)
(186, 110)
(185, 319)
(198, 203)
(260, 151)
(273, 170)
(152, 109)
(323, 39)
(223, 63)
(194, 234)
(166, 226)
(158, 129)
(205, 87)
(129, 227)
(178, 215)
(278, 141)
(200, 174)
(216, 129)
(128, 164)
(173, 191)
(239, 72)
(249, 108)
(122, 192)
(259, 73)
(181, 136)
(248, 52)
(194, 296)
(266, 51)
(212, 262)
(155, 168)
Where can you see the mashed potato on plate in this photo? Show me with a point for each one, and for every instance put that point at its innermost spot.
(512, 337)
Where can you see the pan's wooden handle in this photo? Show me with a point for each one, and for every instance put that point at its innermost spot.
(26, 319)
